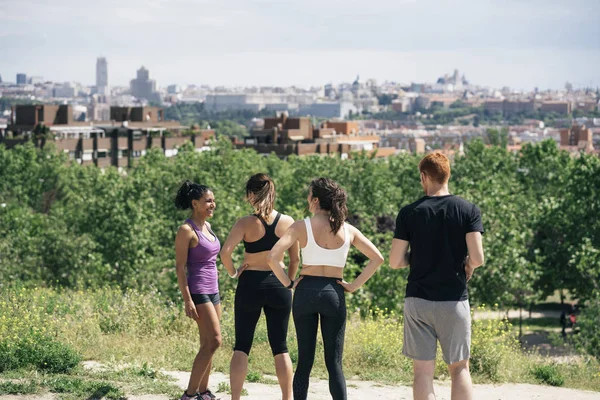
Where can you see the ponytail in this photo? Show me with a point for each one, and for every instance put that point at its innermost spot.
(187, 192)
(332, 197)
(262, 188)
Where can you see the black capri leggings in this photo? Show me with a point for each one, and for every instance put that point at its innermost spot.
(320, 297)
(257, 290)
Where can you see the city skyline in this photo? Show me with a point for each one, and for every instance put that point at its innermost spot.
(522, 45)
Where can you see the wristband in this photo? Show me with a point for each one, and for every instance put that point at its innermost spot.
(234, 275)
(291, 285)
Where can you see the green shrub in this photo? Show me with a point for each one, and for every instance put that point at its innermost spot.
(15, 388)
(493, 348)
(85, 389)
(588, 339)
(548, 374)
(225, 388)
(38, 352)
(254, 376)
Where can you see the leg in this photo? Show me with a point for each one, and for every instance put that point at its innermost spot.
(277, 313)
(423, 380)
(455, 339)
(238, 369)
(247, 313)
(333, 329)
(420, 344)
(210, 341)
(204, 382)
(306, 321)
(462, 388)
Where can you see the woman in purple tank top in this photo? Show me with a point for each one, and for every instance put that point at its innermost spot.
(196, 250)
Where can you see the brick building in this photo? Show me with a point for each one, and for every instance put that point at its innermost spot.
(577, 135)
(557, 107)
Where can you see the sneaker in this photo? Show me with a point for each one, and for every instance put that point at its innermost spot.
(186, 396)
(208, 395)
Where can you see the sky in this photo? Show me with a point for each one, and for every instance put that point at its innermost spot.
(521, 44)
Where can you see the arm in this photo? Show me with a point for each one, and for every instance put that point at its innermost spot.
(235, 237)
(399, 254)
(182, 243)
(294, 254)
(275, 257)
(475, 257)
(366, 247)
(474, 245)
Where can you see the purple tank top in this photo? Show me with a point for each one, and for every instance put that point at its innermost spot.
(202, 263)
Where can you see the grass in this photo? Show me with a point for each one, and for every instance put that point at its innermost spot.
(536, 324)
(148, 333)
(109, 383)
(225, 388)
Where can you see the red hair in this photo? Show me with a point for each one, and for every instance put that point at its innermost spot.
(436, 166)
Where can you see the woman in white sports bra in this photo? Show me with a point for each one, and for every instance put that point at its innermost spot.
(324, 240)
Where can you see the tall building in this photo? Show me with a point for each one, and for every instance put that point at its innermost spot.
(143, 87)
(0, 78)
(21, 79)
(101, 76)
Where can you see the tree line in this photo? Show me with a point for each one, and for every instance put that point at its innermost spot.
(68, 225)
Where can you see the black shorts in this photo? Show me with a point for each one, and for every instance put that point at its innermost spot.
(206, 298)
(258, 291)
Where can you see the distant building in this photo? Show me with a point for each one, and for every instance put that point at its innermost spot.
(282, 130)
(21, 79)
(0, 78)
(137, 114)
(101, 76)
(343, 127)
(509, 107)
(577, 135)
(35, 80)
(335, 109)
(518, 106)
(28, 116)
(143, 87)
(99, 112)
(64, 91)
(173, 89)
(586, 105)
(557, 107)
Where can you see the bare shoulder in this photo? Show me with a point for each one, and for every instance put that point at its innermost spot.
(245, 221)
(185, 230)
(353, 231)
(286, 220)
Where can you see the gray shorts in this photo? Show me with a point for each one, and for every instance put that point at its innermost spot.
(426, 322)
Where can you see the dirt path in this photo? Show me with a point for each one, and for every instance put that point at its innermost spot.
(369, 390)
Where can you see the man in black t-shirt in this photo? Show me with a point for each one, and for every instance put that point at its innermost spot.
(444, 235)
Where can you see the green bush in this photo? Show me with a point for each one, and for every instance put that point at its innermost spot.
(254, 376)
(493, 347)
(39, 352)
(588, 339)
(84, 388)
(548, 374)
(15, 388)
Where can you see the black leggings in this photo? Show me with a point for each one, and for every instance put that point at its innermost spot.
(257, 290)
(324, 297)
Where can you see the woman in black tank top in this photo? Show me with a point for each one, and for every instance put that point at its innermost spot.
(258, 288)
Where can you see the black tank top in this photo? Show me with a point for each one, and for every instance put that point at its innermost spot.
(266, 242)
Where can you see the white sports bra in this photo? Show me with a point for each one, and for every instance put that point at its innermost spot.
(313, 254)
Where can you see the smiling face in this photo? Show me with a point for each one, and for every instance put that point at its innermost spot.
(205, 206)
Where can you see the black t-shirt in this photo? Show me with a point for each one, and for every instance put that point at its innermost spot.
(435, 227)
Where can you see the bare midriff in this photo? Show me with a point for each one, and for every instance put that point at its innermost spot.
(256, 261)
(326, 271)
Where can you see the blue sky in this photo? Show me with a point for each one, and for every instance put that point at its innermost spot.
(516, 43)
